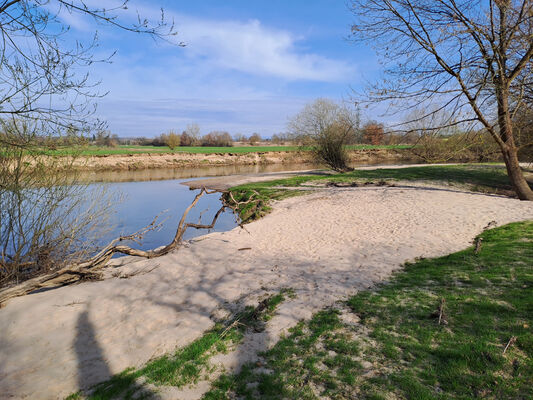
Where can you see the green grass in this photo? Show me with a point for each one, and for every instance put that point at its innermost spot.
(127, 150)
(190, 363)
(394, 348)
(477, 177)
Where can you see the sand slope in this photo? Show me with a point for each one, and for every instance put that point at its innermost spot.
(325, 245)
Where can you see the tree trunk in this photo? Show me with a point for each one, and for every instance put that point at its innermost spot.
(515, 174)
(508, 147)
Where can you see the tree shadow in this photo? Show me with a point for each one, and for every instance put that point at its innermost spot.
(93, 368)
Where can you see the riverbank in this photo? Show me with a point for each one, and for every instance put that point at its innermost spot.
(141, 161)
(325, 246)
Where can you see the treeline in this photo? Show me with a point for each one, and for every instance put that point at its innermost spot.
(185, 139)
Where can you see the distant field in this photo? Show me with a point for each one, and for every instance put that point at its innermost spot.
(104, 151)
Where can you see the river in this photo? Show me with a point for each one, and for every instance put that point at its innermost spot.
(146, 193)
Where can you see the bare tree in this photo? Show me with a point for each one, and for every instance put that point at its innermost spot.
(46, 94)
(47, 218)
(41, 78)
(471, 57)
(254, 139)
(373, 133)
(328, 127)
(193, 132)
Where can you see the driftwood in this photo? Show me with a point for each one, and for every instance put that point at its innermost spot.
(88, 269)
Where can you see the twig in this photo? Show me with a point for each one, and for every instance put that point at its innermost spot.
(230, 326)
(478, 243)
(509, 343)
(441, 312)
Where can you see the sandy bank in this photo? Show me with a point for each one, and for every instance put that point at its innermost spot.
(325, 245)
(135, 161)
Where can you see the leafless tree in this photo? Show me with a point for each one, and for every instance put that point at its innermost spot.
(193, 132)
(470, 57)
(41, 77)
(45, 93)
(328, 127)
(47, 220)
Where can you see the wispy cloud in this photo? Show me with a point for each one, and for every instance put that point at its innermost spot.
(149, 118)
(255, 49)
(237, 75)
(247, 46)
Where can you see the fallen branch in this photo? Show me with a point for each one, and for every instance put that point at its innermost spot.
(86, 269)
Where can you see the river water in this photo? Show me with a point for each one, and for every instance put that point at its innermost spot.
(146, 193)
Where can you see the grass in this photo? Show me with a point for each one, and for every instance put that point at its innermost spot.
(127, 150)
(190, 363)
(388, 343)
(477, 177)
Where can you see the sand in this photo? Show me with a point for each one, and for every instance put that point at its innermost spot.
(326, 245)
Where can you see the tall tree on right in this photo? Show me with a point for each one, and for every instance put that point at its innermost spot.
(472, 58)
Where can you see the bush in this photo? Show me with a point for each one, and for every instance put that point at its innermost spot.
(327, 127)
(186, 139)
(463, 147)
(173, 140)
(523, 125)
(254, 139)
(48, 218)
(330, 147)
(217, 139)
(373, 133)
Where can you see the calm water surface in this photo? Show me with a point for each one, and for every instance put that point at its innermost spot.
(147, 193)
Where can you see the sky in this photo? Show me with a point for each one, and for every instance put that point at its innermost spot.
(248, 66)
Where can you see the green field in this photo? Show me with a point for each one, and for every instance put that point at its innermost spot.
(127, 150)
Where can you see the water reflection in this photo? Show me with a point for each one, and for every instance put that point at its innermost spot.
(146, 193)
(142, 201)
(187, 173)
(204, 172)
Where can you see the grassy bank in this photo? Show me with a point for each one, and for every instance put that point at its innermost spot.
(456, 327)
(189, 364)
(476, 177)
(127, 150)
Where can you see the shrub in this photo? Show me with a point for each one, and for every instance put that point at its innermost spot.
(173, 140)
(327, 127)
(217, 139)
(254, 139)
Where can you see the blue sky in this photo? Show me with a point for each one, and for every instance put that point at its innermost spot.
(247, 66)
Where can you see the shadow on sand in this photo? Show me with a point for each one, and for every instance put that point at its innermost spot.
(93, 368)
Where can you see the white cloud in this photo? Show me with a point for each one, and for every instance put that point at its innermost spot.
(233, 75)
(246, 46)
(255, 49)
